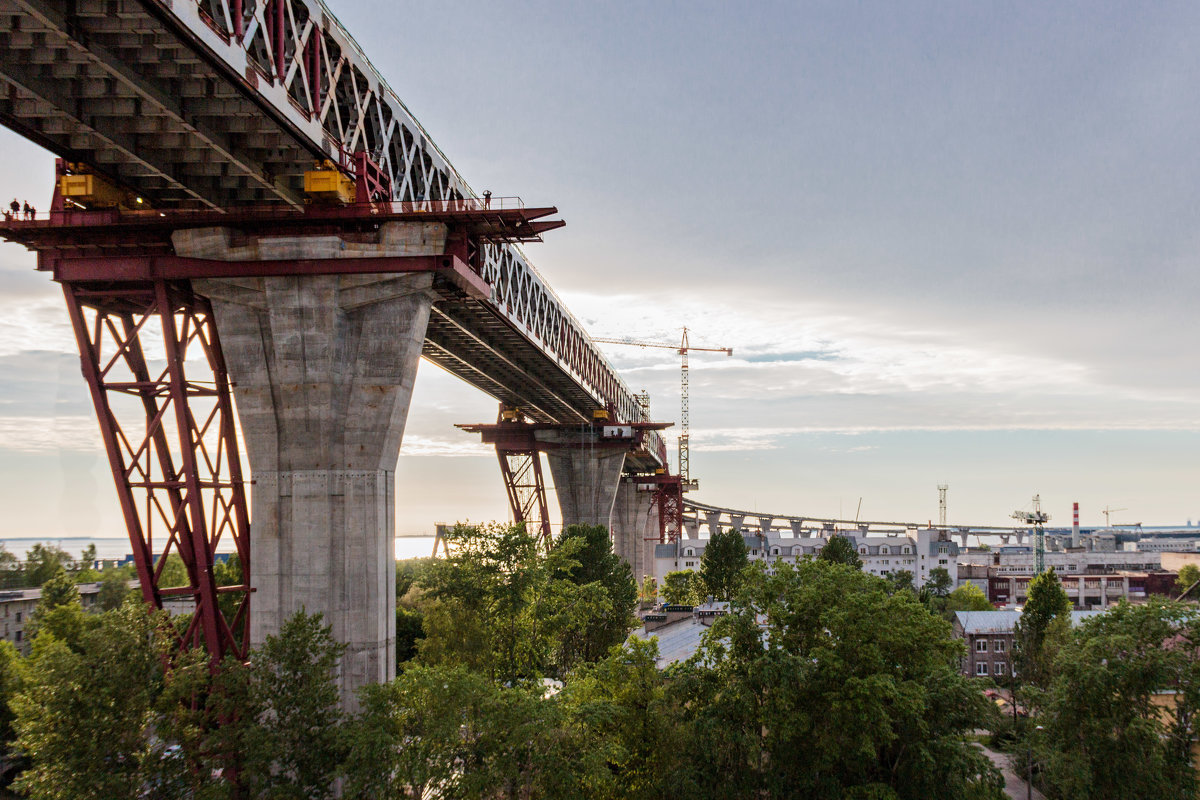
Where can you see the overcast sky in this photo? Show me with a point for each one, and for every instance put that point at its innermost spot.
(949, 243)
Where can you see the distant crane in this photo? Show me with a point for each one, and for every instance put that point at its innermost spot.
(684, 421)
(1108, 511)
(1036, 518)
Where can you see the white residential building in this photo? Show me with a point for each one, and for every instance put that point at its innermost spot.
(920, 551)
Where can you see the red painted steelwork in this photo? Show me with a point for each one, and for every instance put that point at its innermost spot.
(522, 471)
(171, 444)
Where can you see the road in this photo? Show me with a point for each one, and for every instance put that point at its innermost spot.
(1014, 785)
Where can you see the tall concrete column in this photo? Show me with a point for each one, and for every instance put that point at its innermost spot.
(586, 481)
(323, 368)
(630, 527)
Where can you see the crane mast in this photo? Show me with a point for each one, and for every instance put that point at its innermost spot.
(684, 413)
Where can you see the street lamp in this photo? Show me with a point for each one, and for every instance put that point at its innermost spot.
(1029, 767)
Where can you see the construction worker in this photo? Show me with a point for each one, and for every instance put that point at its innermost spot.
(487, 198)
(16, 208)
(28, 210)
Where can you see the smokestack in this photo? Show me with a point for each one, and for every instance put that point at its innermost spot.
(1075, 528)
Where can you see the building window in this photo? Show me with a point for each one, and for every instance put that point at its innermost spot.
(884, 550)
(906, 550)
(981, 645)
(998, 645)
(943, 561)
(862, 551)
(774, 551)
(1000, 668)
(981, 668)
(18, 636)
(689, 563)
(18, 616)
(689, 552)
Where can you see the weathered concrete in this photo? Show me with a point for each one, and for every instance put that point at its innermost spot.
(323, 369)
(586, 481)
(630, 527)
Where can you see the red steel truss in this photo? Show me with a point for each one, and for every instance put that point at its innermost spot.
(522, 471)
(153, 363)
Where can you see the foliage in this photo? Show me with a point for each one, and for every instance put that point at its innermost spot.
(939, 583)
(297, 721)
(901, 580)
(410, 629)
(648, 592)
(114, 588)
(60, 600)
(1121, 713)
(504, 608)
(967, 597)
(1188, 575)
(596, 567)
(42, 562)
(681, 587)
(84, 715)
(624, 704)
(1045, 618)
(725, 556)
(832, 699)
(10, 684)
(174, 572)
(840, 550)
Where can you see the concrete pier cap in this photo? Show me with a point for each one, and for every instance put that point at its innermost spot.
(323, 368)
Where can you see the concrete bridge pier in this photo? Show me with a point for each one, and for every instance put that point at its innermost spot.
(586, 480)
(630, 527)
(323, 368)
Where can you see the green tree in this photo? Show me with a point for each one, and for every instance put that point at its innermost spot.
(902, 580)
(10, 684)
(83, 716)
(605, 573)
(11, 574)
(174, 572)
(408, 740)
(297, 733)
(832, 700)
(940, 583)
(1047, 610)
(840, 550)
(1120, 714)
(725, 556)
(627, 711)
(410, 629)
(681, 587)
(967, 597)
(499, 605)
(60, 603)
(43, 561)
(1188, 575)
(114, 588)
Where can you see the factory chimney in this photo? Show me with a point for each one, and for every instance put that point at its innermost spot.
(1075, 527)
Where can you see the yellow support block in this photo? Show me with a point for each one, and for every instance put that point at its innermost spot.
(328, 184)
(92, 191)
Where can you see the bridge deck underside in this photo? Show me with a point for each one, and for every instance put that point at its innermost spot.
(121, 92)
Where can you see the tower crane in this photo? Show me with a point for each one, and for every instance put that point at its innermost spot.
(1037, 518)
(683, 350)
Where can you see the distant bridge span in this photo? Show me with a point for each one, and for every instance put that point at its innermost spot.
(697, 516)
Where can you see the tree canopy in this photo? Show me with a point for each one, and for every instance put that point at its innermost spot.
(840, 550)
(725, 556)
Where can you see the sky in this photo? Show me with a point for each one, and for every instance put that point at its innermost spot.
(949, 244)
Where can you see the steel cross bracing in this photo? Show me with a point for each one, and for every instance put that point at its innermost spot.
(221, 103)
(166, 417)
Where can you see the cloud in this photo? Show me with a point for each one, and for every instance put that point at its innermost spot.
(418, 445)
(28, 434)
